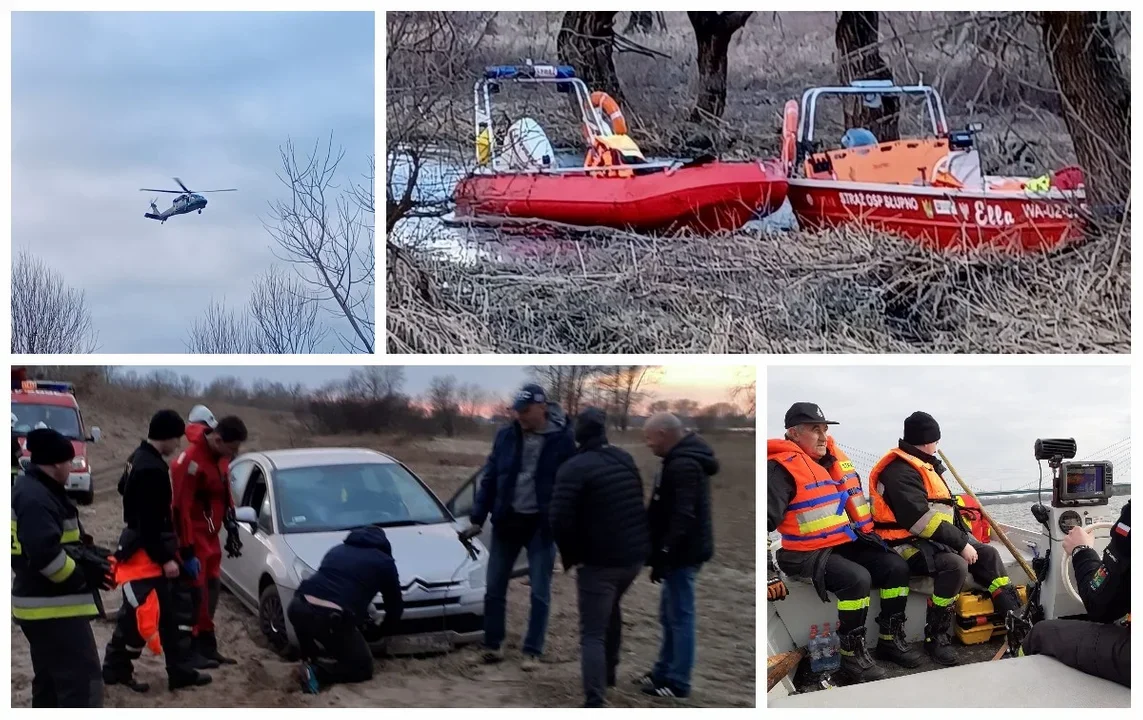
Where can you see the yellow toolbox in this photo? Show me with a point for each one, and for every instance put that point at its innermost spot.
(976, 619)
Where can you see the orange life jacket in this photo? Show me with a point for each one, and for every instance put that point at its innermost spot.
(973, 516)
(603, 156)
(140, 566)
(828, 503)
(941, 503)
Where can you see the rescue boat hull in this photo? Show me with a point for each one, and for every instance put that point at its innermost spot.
(944, 219)
(712, 197)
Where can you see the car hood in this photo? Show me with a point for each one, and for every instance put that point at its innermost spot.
(431, 553)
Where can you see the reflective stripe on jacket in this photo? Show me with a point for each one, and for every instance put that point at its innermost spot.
(940, 500)
(47, 584)
(828, 505)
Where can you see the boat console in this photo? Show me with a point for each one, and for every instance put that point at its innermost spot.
(1081, 492)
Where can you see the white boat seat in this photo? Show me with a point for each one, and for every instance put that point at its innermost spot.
(1025, 682)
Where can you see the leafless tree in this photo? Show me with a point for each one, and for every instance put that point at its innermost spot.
(374, 382)
(713, 31)
(685, 408)
(1097, 101)
(644, 22)
(859, 58)
(659, 406)
(48, 318)
(626, 387)
(285, 314)
(221, 331)
(188, 386)
(585, 41)
(566, 384)
(325, 230)
(746, 395)
(442, 401)
(470, 399)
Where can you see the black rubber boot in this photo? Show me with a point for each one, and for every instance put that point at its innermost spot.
(184, 679)
(938, 644)
(128, 681)
(208, 648)
(1005, 601)
(891, 644)
(196, 659)
(857, 665)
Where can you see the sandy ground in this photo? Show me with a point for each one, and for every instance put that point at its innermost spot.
(724, 674)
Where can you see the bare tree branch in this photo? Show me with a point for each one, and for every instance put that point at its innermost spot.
(48, 318)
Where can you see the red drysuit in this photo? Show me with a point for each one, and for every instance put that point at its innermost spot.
(201, 499)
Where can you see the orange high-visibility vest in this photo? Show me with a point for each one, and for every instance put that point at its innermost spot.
(941, 503)
(828, 503)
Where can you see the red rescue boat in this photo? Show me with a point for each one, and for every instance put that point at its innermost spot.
(616, 187)
(929, 189)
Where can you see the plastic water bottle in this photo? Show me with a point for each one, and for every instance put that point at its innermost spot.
(814, 646)
(831, 650)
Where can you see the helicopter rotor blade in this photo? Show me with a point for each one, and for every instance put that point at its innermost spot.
(177, 192)
(224, 190)
(184, 187)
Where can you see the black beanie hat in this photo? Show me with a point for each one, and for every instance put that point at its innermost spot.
(166, 425)
(48, 447)
(921, 429)
(591, 424)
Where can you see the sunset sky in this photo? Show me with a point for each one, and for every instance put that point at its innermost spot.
(705, 384)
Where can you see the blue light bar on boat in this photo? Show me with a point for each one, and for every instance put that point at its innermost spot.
(52, 386)
(541, 72)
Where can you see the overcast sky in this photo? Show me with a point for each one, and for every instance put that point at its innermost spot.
(106, 103)
(989, 417)
(705, 384)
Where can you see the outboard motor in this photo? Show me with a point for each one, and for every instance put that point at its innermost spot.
(526, 146)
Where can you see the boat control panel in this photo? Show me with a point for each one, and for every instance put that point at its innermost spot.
(1079, 488)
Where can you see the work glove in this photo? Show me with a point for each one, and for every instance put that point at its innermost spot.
(191, 566)
(776, 588)
(469, 532)
(233, 543)
(659, 566)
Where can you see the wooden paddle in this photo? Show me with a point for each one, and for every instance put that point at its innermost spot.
(999, 533)
(780, 665)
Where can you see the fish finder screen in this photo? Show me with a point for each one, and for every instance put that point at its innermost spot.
(1085, 480)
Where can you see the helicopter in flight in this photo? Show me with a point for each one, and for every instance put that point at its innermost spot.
(187, 201)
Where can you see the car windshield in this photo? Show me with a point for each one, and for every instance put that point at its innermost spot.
(63, 420)
(340, 497)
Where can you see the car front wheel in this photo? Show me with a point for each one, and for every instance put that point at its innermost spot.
(272, 619)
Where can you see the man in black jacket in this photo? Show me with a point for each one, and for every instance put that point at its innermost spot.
(600, 525)
(682, 539)
(155, 604)
(52, 592)
(331, 606)
(1101, 645)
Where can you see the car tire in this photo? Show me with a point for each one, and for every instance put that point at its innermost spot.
(272, 620)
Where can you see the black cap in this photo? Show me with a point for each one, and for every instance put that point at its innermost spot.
(530, 394)
(921, 429)
(804, 413)
(166, 425)
(48, 447)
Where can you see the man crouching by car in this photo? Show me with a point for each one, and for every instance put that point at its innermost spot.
(331, 606)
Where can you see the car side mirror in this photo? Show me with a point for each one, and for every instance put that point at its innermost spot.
(248, 515)
(96, 434)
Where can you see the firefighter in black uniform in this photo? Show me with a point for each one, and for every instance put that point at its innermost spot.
(157, 610)
(55, 583)
(1101, 645)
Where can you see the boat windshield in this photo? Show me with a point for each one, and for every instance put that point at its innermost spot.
(847, 117)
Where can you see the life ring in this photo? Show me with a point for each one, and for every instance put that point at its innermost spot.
(610, 109)
(789, 134)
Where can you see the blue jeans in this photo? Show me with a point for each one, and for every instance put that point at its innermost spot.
(541, 562)
(677, 616)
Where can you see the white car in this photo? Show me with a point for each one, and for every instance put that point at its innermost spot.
(294, 505)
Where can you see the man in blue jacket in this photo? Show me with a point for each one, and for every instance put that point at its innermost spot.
(515, 489)
(331, 606)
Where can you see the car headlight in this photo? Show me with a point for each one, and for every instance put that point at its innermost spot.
(302, 570)
(476, 576)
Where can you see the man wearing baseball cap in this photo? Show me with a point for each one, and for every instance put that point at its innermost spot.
(814, 500)
(514, 490)
(915, 513)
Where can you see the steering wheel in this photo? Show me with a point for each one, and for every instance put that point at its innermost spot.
(1066, 571)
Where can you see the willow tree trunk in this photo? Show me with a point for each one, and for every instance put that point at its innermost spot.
(585, 41)
(1097, 103)
(859, 58)
(713, 31)
(640, 22)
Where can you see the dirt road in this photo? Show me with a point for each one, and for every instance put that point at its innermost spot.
(725, 670)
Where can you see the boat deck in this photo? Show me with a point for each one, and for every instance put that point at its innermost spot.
(1026, 682)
